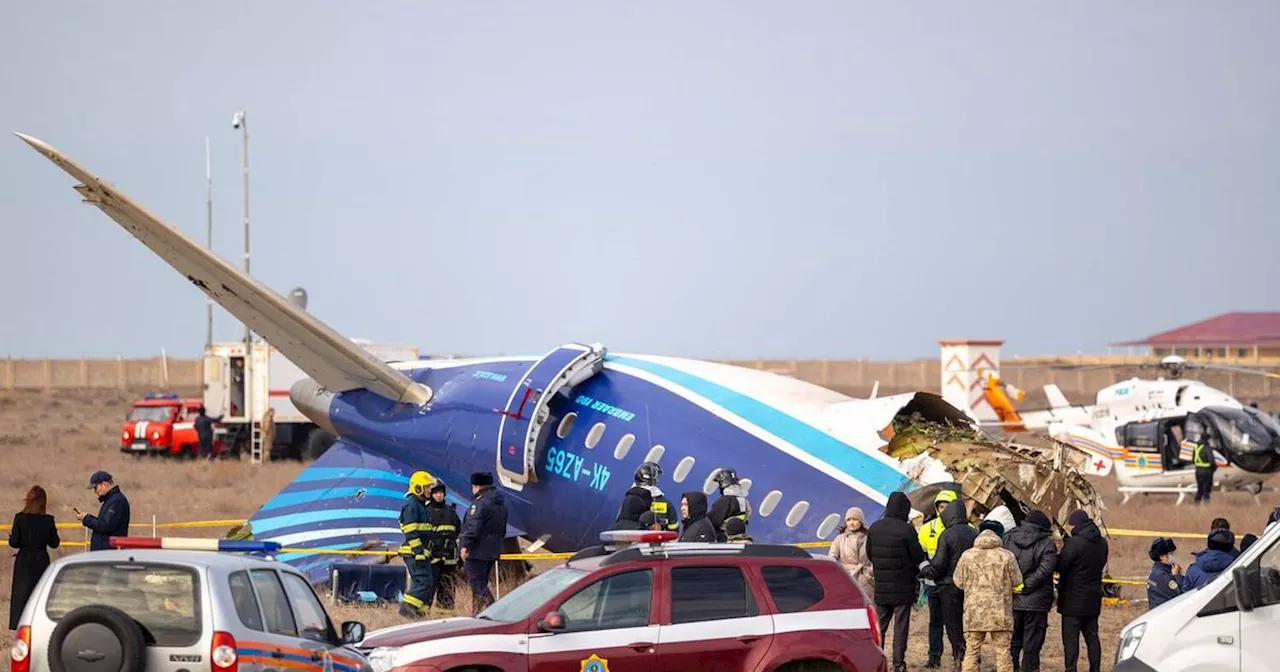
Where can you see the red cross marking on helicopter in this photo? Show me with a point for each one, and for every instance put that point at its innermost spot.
(1099, 464)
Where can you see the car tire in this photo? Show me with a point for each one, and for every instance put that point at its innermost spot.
(96, 637)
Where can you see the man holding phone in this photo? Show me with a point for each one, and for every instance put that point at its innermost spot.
(113, 515)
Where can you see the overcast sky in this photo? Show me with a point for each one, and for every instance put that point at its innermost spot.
(719, 179)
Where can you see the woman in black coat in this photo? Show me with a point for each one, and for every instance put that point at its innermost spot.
(33, 532)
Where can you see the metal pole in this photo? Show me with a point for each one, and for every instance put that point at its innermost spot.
(208, 180)
(248, 336)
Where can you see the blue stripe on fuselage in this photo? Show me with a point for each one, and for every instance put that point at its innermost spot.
(875, 474)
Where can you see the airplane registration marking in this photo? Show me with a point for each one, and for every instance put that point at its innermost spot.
(573, 467)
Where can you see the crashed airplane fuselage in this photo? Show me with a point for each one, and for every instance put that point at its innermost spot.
(563, 432)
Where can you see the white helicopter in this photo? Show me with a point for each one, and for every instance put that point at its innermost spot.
(1137, 427)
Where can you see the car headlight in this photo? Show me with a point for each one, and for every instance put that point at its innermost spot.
(382, 660)
(1129, 641)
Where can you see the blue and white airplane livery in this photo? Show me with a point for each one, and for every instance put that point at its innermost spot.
(563, 432)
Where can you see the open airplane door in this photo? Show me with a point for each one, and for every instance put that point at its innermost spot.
(528, 408)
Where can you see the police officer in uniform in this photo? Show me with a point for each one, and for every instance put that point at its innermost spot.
(483, 530)
(442, 545)
(1201, 457)
(416, 527)
(731, 504)
(1166, 580)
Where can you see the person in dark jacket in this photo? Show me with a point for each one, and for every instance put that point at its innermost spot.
(736, 532)
(1080, 568)
(33, 533)
(650, 521)
(694, 524)
(1224, 524)
(647, 475)
(893, 547)
(1246, 541)
(1032, 545)
(731, 504)
(442, 546)
(1211, 562)
(637, 501)
(416, 601)
(483, 530)
(204, 433)
(956, 538)
(113, 514)
(1166, 580)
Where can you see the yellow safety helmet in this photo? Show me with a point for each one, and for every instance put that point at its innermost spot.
(944, 496)
(419, 482)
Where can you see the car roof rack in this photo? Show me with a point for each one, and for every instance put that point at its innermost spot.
(679, 550)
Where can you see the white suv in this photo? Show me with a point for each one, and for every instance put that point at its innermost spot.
(179, 611)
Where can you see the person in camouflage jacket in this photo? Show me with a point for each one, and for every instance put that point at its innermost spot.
(987, 573)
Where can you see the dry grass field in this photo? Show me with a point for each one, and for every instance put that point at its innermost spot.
(57, 439)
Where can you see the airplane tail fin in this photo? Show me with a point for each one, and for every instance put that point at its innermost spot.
(1055, 396)
(348, 499)
(335, 362)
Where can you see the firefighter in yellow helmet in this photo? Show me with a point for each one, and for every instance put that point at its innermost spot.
(414, 523)
(929, 533)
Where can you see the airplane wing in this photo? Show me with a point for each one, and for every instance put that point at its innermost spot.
(333, 361)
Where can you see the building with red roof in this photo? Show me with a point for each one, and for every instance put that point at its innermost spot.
(1238, 335)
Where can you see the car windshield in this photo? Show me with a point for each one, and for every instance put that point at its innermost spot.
(163, 599)
(518, 604)
(150, 413)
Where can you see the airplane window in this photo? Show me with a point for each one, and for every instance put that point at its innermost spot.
(593, 436)
(746, 486)
(655, 454)
(770, 502)
(828, 525)
(682, 470)
(624, 445)
(709, 486)
(797, 512)
(566, 425)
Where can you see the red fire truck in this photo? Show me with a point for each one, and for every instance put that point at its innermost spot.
(162, 424)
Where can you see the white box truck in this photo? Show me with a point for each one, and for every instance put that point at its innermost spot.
(272, 374)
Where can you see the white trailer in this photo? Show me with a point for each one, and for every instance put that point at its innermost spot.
(271, 375)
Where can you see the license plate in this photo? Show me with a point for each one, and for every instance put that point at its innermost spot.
(139, 445)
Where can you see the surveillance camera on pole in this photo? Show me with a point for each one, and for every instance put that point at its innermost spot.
(237, 120)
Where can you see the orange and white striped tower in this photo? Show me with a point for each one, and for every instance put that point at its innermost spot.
(963, 363)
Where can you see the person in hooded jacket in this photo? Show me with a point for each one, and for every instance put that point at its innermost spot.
(637, 501)
(1032, 546)
(896, 556)
(1211, 562)
(1080, 567)
(849, 548)
(695, 526)
(957, 537)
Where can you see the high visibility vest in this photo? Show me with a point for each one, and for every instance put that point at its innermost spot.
(1198, 456)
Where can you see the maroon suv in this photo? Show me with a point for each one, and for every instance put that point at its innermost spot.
(657, 607)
